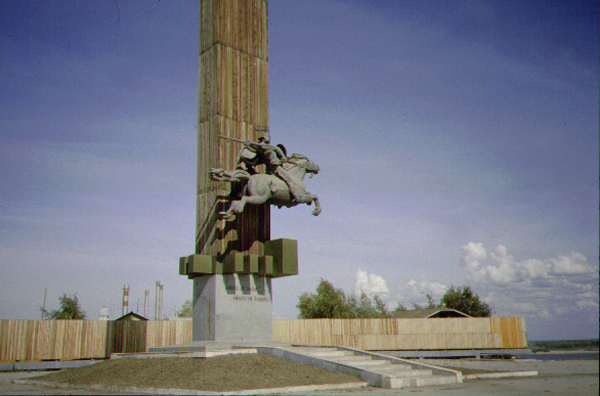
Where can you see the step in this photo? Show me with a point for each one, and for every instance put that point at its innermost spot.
(422, 381)
(395, 367)
(312, 349)
(361, 363)
(353, 357)
(326, 353)
(398, 373)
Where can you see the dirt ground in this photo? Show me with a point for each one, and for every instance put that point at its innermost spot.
(215, 374)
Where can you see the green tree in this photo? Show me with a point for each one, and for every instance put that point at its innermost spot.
(366, 308)
(186, 309)
(69, 309)
(431, 303)
(327, 302)
(380, 308)
(464, 300)
(399, 308)
(330, 302)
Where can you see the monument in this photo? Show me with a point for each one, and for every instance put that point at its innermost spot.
(240, 174)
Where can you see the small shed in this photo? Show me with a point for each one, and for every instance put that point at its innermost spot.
(132, 316)
(430, 313)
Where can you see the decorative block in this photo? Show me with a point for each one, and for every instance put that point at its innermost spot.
(285, 256)
(183, 261)
(199, 264)
(280, 259)
(251, 264)
(218, 268)
(265, 265)
(233, 263)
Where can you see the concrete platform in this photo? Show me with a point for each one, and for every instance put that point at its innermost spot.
(201, 346)
(457, 353)
(377, 370)
(46, 365)
(192, 354)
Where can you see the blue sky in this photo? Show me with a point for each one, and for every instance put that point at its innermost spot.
(457, 140)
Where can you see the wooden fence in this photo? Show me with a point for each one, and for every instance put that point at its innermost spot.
(34, 340)
(405, 334)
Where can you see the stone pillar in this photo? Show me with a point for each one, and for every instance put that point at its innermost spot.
(232, 307)
(233, 101)
(230, 303)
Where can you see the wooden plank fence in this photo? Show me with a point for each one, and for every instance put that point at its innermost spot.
(34, 340)
(405, 334)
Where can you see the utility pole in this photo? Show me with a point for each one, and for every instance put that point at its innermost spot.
(146, 297)
(125, 300)
(44, 303)
(158, 296)
(160, 302)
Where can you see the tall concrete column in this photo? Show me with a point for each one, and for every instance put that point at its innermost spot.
(232, 303)
(233, 101)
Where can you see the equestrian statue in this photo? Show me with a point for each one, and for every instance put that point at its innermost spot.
(282, 184)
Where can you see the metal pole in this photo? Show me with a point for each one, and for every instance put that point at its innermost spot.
(146, 295)
(125, 300)
(156, 300)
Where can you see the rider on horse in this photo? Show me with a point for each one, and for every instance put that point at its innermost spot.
(281, 184)
(273, 157)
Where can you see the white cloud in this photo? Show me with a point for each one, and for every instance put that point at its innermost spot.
(473, 253)
(543, 288)
(370, 284)
(574, 264)
(414, 292)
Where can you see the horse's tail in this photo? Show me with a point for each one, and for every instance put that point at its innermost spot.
(233, 176)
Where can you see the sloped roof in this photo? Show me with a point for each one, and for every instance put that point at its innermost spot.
(430, 312)
(131, 316)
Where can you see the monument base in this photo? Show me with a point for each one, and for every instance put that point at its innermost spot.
(232, 307)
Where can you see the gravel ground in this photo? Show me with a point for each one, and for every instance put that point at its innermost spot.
(215, 374)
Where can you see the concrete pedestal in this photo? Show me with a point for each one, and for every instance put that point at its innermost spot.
(232, 307)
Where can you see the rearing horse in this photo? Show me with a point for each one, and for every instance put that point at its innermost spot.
(264, 188)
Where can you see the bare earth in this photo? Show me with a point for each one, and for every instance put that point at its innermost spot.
(215, 374)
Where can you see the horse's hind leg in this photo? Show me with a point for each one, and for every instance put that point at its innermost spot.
(252, 200)
(239, 205)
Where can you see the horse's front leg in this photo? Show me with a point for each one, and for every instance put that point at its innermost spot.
(234, 208)
(228, 214)
(317, 209)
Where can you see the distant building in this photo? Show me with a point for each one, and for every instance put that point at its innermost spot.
(430, 313)
(104, 314)
(132, 316)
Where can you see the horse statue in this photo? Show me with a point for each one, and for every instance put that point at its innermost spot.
(260, 188)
